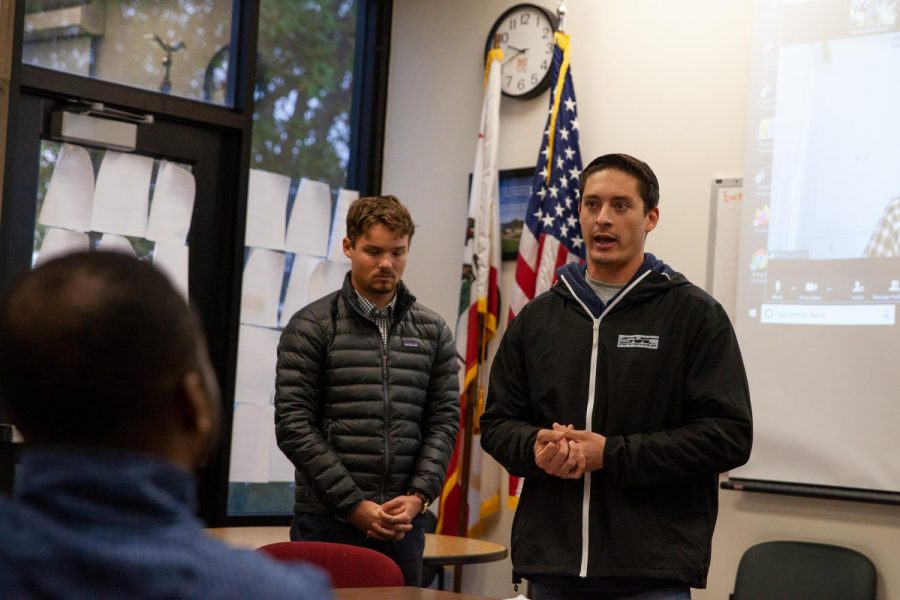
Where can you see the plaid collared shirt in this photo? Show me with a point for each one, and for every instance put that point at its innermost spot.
(382, 317)
(886, 238)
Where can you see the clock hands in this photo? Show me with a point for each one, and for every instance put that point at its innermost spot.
(518, 51)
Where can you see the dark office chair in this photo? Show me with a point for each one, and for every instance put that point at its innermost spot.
(349, 566)
(803, 571)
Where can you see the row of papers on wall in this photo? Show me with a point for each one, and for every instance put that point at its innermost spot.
(294, 255)
(118, 204)
(289, 262)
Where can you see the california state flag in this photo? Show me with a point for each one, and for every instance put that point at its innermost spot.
(479, 310)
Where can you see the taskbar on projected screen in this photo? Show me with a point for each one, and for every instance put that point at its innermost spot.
(826, 314)
(797, 291)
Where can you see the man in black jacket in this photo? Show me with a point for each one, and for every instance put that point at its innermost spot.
(367, 398)
(620, 395)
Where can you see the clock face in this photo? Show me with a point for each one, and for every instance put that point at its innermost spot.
(526, 38)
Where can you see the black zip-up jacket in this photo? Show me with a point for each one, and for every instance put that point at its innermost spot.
(659, 373)
(359, 423)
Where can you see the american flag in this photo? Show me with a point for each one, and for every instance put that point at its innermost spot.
(551, 235)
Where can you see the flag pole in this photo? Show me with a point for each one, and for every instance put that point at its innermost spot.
(465, 467)
(561, 16)
(472, 399)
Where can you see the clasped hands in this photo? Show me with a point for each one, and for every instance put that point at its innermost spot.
(568, 452)
(389, 521)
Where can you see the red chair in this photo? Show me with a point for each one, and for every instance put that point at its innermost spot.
(349, 566)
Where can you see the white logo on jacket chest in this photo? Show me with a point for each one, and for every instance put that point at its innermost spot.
(648, 342)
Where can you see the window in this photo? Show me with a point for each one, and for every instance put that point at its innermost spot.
(177, 47)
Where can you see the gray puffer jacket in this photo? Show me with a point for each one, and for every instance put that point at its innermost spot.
(358, 422)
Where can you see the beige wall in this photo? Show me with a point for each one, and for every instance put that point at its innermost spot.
(662, 80)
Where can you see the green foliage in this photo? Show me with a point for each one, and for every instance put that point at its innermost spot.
(305, 73)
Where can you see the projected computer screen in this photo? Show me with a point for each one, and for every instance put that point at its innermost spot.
(819, 270)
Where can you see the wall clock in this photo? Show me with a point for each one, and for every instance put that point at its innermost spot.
(526, 38)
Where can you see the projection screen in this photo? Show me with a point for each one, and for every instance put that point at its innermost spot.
(819, 258)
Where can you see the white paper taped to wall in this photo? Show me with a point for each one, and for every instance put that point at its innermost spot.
(173, 260)
(257, 351)
(310, 219)
(111, 242)
(250, 435)
(172, 208)
(70, 193)
(328, 277)
(339, 225)
(280, 468)
(58, 242)
(266, 209)
(298, 286)
(122, 194)
(263, 278)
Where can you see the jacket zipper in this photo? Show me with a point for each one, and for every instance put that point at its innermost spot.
(387, 417)
(385, 390)
(586, 497)
(589, 413)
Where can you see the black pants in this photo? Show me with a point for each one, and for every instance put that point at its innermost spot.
(407, 553)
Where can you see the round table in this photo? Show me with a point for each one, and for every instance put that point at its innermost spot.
(440, 550)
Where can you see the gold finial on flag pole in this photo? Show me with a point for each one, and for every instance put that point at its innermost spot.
(496, 41)
(561, 16)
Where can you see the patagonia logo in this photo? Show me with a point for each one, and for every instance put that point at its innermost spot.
(410, 343)
(649, 342)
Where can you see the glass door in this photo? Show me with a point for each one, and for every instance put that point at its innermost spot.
(80, 174)
(166, 89)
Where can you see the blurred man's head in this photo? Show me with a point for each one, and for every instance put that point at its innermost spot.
(99, 349)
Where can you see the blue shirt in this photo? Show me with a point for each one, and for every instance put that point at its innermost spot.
(94, 523)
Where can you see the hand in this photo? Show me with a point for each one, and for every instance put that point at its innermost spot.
(557, 456)
(364, 515)
(387, 522)
(545, 437)
(576, 464)
(592, 444)
(396, 518)
(401, 510)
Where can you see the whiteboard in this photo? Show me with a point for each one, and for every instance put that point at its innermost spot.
(726, 200)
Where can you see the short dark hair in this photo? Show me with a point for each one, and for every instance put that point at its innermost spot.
(93, 347)
(386, 210)
(648, 184)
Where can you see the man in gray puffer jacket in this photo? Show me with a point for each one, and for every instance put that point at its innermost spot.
(367, 398)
